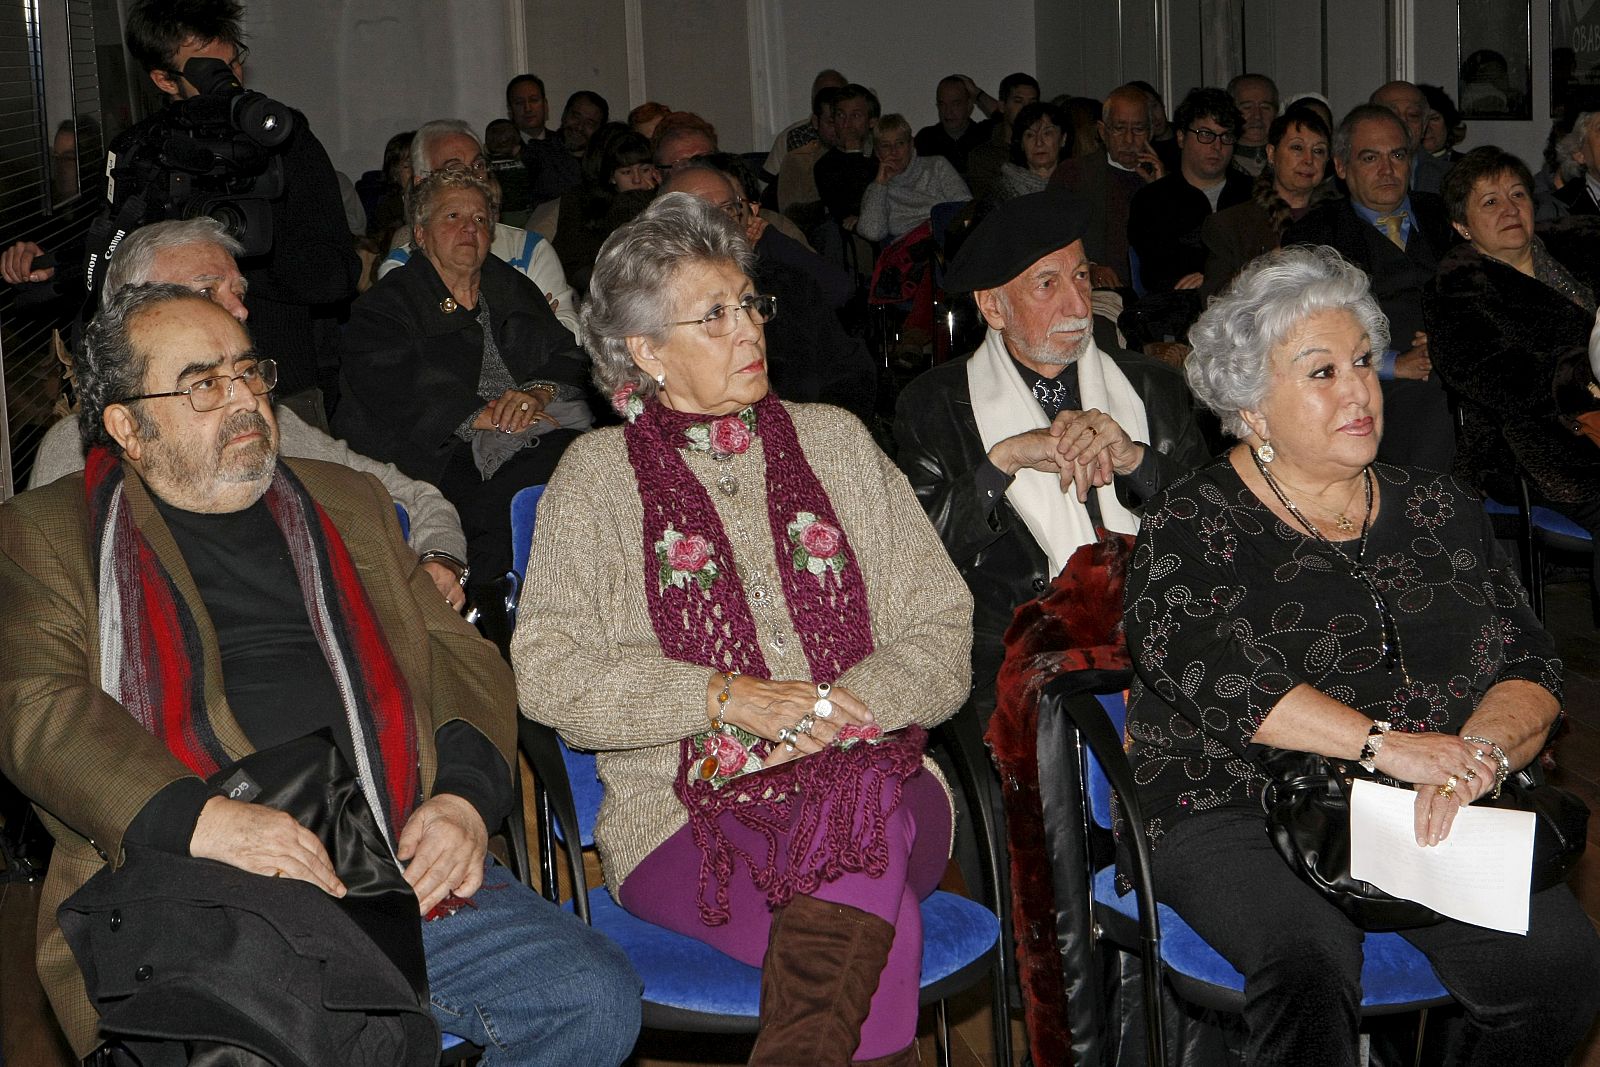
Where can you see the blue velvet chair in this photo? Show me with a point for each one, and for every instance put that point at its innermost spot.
(1396, 977)
(688, 985)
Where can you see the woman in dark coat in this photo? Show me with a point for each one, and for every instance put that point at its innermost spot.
(1508, 320)
(1290, 183)
(456, 371)
(618, 183)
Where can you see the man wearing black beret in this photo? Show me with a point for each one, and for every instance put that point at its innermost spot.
(1021, 450)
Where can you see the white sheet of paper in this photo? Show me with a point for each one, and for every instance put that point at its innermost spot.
(1480, 874)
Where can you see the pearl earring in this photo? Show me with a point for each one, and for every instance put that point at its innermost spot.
(661, 379)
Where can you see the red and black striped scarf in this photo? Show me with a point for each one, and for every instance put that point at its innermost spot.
(152, 659)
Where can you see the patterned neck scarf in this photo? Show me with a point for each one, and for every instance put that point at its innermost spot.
(704, 618)
(152, 660)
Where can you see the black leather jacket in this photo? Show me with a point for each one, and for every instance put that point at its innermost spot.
(940, 452)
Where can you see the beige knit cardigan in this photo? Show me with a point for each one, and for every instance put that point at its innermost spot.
(586, 656)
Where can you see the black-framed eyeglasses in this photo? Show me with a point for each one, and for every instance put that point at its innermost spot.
(211, 393)
(1208, 136)
(721, 320)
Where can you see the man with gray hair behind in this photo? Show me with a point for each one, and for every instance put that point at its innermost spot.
(446, 144)
(199, 255)
(1582, 146)
(1257, 97)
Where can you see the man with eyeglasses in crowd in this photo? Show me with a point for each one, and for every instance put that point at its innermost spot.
(199, 255)
(1105, 183)
(1165, 217)
(192, 598)
(446, 144)
(298, 286)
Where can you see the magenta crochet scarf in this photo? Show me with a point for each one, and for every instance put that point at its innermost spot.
(832, 806)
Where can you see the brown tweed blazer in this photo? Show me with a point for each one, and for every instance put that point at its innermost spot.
(90, 768)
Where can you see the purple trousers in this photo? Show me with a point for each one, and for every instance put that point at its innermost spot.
(664, 889)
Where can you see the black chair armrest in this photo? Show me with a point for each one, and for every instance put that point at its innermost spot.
(1093, 729)
(543, 751)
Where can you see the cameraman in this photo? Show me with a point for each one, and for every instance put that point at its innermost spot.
(297, 287)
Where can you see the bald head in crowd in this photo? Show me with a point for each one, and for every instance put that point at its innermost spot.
(1124, 126)
(1408, 103)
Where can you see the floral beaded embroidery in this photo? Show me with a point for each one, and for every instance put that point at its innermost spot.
(627, 402)
(685, 558)
(724, 438)
(818, 546)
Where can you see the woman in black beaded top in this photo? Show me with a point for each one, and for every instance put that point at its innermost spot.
(1297, 595)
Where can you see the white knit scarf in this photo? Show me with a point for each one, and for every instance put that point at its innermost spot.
(1003, 406)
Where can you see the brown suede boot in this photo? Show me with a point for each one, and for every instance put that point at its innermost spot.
(821, 969)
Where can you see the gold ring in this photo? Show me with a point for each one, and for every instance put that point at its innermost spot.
(1447, 791)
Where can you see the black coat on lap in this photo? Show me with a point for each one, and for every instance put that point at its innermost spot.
(1516, 353)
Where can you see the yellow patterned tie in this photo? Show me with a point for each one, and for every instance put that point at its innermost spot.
(1391, 226)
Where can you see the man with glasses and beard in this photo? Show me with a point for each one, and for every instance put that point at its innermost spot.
(191, 599)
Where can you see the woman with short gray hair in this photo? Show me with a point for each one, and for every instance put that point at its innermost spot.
(455, 369)
(1297, 598)
(1229, 369)
(627, 297)
(740, 605)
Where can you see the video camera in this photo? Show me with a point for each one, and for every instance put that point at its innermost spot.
(218, 153)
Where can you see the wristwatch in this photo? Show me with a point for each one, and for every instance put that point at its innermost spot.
(455, 563)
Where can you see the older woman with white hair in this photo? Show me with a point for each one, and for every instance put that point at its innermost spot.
(456, 371)
(1296, 596)
(743, 609)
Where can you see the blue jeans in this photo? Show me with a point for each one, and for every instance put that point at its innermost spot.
(529, 981)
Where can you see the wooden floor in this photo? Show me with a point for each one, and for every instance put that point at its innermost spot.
(29, 1037)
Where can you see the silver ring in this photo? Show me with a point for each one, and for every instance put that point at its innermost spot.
(1471, 776)
(786, 736)
(805, 724)
(524, 407)
(788, 746)
(823, 689)
(823, 709)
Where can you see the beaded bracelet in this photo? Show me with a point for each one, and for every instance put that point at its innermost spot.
(1369, 751)
(722, 697)
(1502, 769)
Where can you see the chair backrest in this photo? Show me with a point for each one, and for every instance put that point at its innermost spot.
(405, 520)
(1137, 281)
(586, 788)
(524, 514)
(1096, 782)
(587, 792)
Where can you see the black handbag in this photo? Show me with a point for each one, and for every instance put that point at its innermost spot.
(308, 778)
(1307, 805)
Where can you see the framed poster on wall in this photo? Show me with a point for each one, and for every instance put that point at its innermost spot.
(1574, 56)
(1494, 58)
